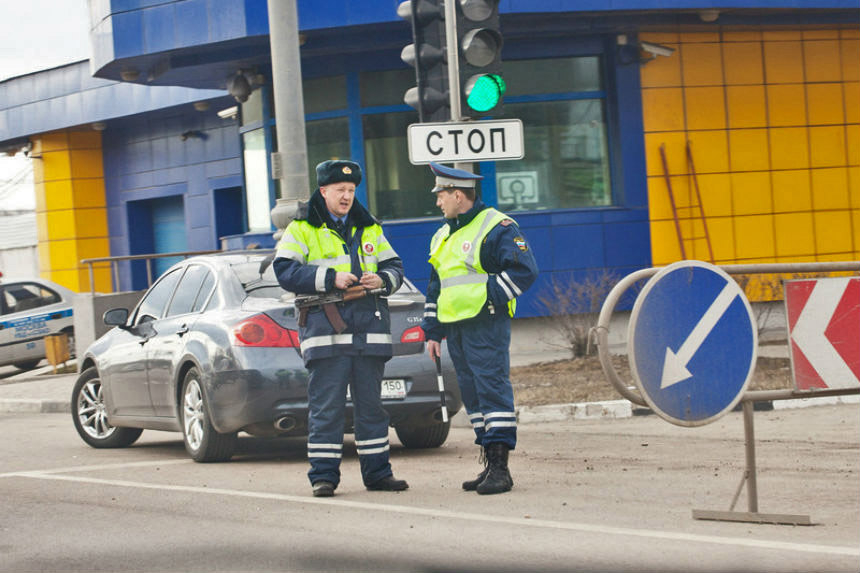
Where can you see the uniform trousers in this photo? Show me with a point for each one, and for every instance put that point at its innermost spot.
(327, 386)
(480, 350)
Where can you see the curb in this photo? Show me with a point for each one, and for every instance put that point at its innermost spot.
(606, 410)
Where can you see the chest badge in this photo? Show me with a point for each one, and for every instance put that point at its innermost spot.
(467, 246)
(368, 248)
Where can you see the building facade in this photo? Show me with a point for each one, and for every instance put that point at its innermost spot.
(738, 141)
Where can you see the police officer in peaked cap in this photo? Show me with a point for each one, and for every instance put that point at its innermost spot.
(481, 264)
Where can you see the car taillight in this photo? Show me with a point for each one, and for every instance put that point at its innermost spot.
(414, 334)
(260, 330)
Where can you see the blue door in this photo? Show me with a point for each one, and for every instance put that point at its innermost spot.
(168, 231)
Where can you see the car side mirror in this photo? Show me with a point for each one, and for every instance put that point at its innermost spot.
(116, 317)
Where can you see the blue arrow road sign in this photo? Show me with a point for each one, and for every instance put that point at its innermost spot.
(692, 343)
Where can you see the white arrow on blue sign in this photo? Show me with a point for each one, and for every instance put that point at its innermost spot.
(692, 343)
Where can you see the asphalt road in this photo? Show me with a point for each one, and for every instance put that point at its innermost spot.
(589, 496)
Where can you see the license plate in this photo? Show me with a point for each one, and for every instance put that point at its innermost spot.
(392, 389)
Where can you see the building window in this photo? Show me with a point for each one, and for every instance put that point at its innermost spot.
(257, 195)
(327, 139)
(562, 106)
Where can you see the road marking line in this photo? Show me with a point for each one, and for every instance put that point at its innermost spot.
(99, 467)
(475, 517)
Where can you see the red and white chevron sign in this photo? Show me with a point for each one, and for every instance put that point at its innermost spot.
(824, 332)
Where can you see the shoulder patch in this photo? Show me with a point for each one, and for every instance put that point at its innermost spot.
(521, 244)
(507, 222)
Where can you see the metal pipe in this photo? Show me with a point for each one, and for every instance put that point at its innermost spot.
(749, 440)
(602, 332)
(452, 56)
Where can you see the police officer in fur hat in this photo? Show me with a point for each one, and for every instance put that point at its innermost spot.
(481, 264)
(336, 244)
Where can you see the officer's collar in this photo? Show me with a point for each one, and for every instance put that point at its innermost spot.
(318, 213)
(464, 219)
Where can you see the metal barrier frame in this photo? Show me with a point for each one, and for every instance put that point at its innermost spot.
(601, 333)
(148, 258)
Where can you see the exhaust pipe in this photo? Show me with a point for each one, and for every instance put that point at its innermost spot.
(285, 423)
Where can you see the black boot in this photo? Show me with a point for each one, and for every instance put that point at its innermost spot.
(472, 485)
(498, 478)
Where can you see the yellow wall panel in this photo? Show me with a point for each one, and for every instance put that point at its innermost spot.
(44, 250)
(660, 37)
(791, 191)
(698, 37)
(702, 64)
(780, 35)
(61, 224)
(659, 203)
(663, 109)
(854, 186)
(754, 237)
(710, 151)
(789, 148)
(822, 61)
(86, 163)
(722, 233)
(58, 195)
(819, 34)
(743, 63)
(786, 105)
(746, 106)
(736, 36)
(830, 189)
(56, 141)
(833, 232)
(89, 192)
(751, 193)
(56, 165)
(69, 278)
(851, 91)
(676, 155)
(63, 254)
(824, 103)
(41, 226)
(850, 58)
(705, 108)
(662, 72)
(795, 235)
(748, 150)
(93, 248)
(88, 139)
(664, 243)
(827, 146)
(91, 223)
(783, 62)
(716, 193)
(39, 192)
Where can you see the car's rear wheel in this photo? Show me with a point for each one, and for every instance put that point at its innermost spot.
(423, 436)
(28, 365)
(90, 415)
(202, 442)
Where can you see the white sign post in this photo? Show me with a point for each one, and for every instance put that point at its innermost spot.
(452, 142)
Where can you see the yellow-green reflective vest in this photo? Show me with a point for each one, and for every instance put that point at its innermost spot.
(457, 260)
(324, 247)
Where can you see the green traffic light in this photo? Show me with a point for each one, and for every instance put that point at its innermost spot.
(486, 92)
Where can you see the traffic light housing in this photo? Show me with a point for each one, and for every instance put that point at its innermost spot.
(427, 54)
(482, 86)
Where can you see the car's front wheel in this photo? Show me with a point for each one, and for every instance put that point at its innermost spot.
(90, 415)
(202, 442)
(420, 437)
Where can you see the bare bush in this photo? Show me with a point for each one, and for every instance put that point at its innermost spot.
(574, 307)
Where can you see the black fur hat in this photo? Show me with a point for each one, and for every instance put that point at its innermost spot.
(336, 171)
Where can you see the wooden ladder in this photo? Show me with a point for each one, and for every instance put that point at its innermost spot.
(696, 208)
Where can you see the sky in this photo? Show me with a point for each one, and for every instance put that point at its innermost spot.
(36, 35)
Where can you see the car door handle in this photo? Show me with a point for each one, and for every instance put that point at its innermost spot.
(182, 330)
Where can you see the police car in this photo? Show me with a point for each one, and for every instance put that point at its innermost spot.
(31, 309)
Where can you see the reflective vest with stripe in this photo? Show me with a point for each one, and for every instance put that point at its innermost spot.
(368, 322)
(457, 260)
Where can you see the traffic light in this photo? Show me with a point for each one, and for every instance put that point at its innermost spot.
(426, 54)
(480, 57)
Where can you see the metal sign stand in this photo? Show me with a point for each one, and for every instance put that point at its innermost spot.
(749, 477)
